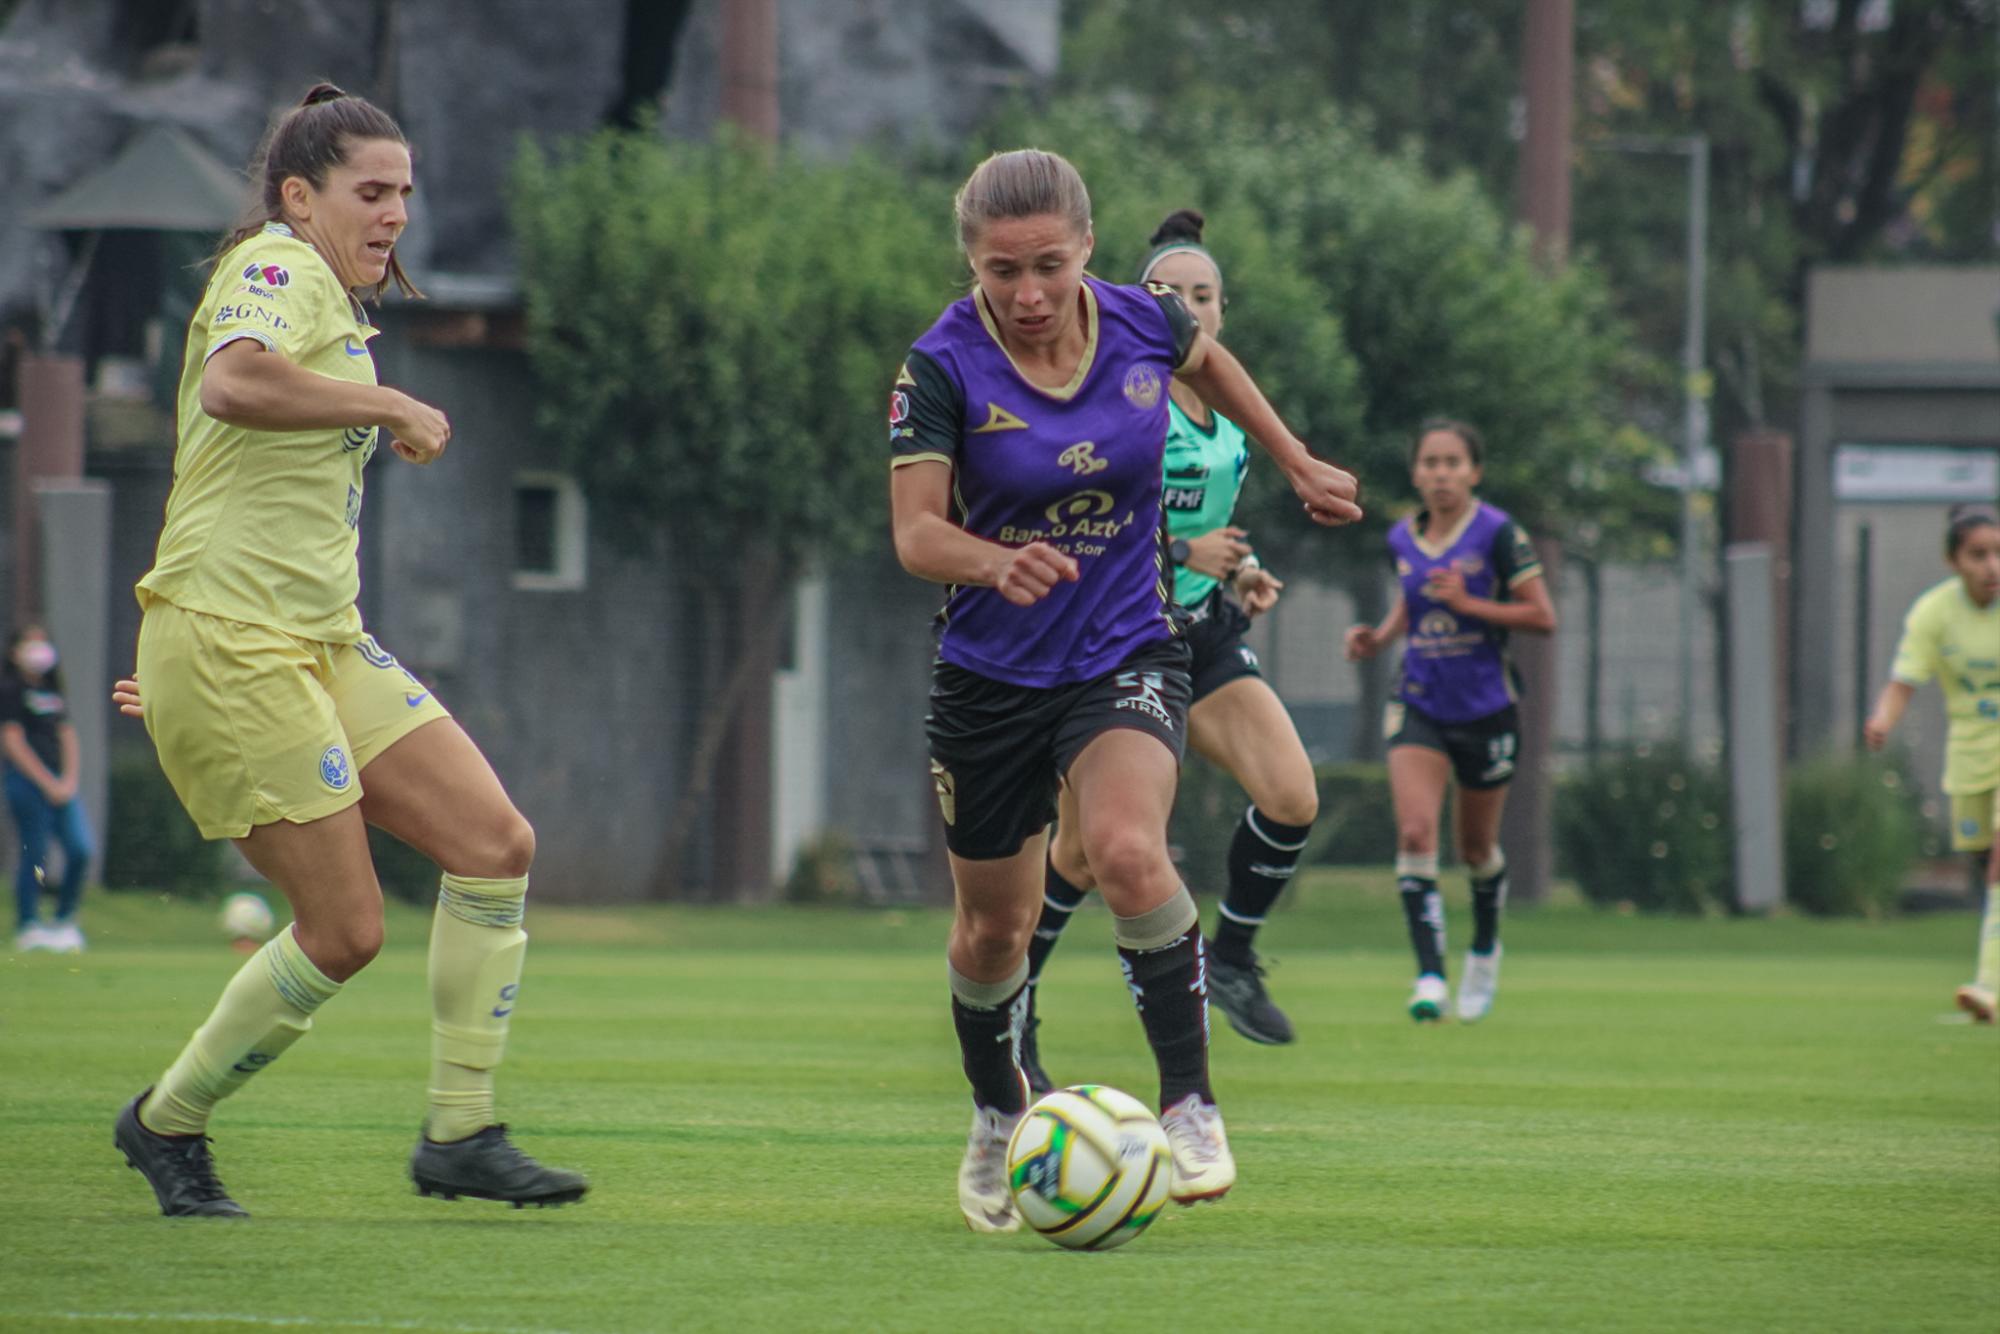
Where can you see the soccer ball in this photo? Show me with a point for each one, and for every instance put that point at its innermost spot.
(1089, 1167)
(245, 916)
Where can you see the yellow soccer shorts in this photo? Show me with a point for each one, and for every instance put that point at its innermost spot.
(254, 725)
(1975, 820)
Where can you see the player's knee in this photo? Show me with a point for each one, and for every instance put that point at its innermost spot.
(342, 947)
(515, 847)
(1066, 855)
(1128, 858)
(996, 939)
(1416, 836)
(1296, 805)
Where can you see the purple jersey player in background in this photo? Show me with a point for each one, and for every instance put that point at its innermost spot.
(1469, 576)
(1028, 429)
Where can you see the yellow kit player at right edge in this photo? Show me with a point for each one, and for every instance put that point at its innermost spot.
(1953, 633)
(279, 722)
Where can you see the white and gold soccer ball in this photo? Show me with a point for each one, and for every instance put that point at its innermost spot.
(245, 916)
(1089, 1167)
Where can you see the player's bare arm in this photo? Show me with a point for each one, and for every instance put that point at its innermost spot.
(1530, 608)
(1365, 641)
(931, 546)
(245, 385)
(1215, 373)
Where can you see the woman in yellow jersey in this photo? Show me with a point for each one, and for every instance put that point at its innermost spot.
(280, 723)
(1953, 634)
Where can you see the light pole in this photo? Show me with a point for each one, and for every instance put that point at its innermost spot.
(1694, 387)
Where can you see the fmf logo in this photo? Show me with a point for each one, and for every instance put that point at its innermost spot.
(271, 275)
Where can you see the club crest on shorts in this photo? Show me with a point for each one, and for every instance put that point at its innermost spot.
(947, 791)
(334, 770)
(1142, 386)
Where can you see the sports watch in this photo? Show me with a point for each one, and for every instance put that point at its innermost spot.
(1177, 551)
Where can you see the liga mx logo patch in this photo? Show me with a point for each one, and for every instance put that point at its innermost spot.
(271, 275)
(333, 769)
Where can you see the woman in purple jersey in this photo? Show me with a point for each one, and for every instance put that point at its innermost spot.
(1028, 428)
(1469, 576)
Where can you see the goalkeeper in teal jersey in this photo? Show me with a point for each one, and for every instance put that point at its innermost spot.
(1236, 721)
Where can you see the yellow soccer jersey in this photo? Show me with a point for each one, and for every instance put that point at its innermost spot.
(1950, 637)
(263, 526)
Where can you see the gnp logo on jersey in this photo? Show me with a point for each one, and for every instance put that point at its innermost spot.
(333, 769)
(1081, 459)
(1145, 696)
(1142, 386)
(271, 275)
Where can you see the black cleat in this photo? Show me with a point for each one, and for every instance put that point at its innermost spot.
(1031, 1057)
(487, 1166)
(1239, 990)
(179, 1168)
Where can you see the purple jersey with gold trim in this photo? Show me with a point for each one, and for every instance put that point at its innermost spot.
(1080, 468)
(1455, 667)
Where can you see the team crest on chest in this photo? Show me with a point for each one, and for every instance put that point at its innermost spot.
(1081, 459)
(1142, 386)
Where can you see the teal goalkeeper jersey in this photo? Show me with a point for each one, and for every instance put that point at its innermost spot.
(1204, 475)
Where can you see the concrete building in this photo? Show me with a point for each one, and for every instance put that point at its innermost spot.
(1901, 419)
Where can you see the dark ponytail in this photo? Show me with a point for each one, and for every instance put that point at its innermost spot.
(1179, 231)
(309, 140)
(1962, 522)
(1181, 227)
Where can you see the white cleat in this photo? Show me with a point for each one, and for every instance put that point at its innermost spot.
(1978, 1002)
(1427, 1002)
(34, 936)
(65, 938)
(1204, 1169)
(984, 1196)
(1482, 980)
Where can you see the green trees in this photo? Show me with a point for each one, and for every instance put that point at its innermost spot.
(714, 332)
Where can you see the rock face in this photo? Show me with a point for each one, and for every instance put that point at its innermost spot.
(76, 77)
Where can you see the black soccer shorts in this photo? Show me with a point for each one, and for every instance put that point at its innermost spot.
(1482, 751)
(1000, 751)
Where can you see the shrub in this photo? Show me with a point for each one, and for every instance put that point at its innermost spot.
(404, 872)
(149, 842)
(1357, 817)
(823, 871)
(1852, 828)
(1648, 828)
(1356, 824)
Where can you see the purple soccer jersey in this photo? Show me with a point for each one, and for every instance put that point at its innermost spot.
(1080, 468)
(1455, 667)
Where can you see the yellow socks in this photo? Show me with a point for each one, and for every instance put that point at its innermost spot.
(477, 946)
(1988, 974)
(265, 1008)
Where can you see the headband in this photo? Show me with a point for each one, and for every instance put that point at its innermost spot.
(1177, 248)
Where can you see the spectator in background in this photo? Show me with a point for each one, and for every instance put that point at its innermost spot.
(39, 755)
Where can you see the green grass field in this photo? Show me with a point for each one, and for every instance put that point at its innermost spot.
(1666, 1125)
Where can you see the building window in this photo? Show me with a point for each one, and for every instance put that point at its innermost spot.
(551, 532)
